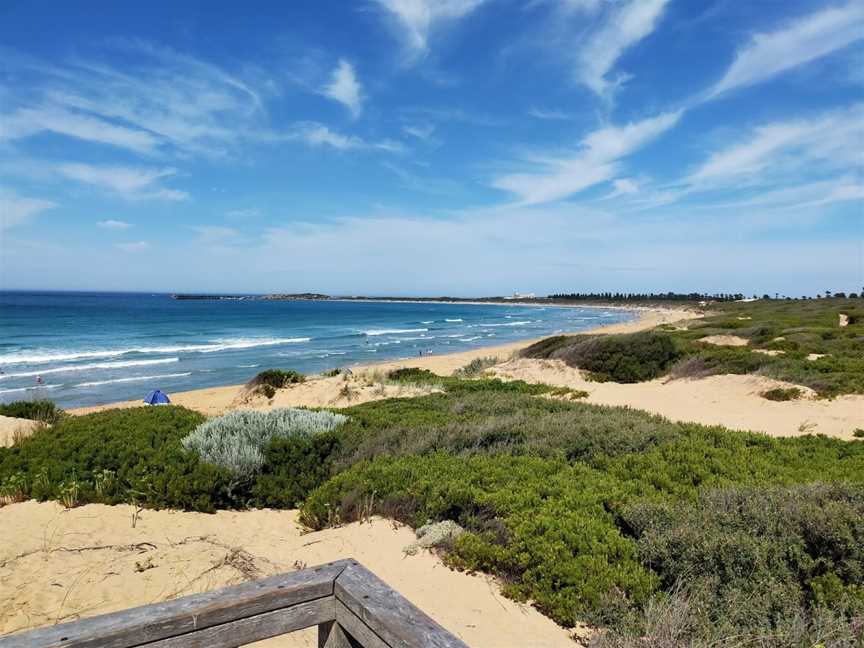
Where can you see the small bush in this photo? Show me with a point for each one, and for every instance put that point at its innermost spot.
(622, 358)
(236, 441)
(782, 394)
(858, 433)
(476, 367)
(277, 378)
(44, 411)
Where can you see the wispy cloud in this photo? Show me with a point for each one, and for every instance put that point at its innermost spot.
(31, 121)
(136, 246)
(625, 26)
(420, 131)
(19, 210)
(549, 115)
(554, 177)
(114, 224)
(801, 41)
(415, 19)
(160, 100)
(128, 182)
(345, 88)
(829, 141)
(216, 235)
(316, 134)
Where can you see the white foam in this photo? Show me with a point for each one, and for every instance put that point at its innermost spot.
(394, 331)
(29, 357)
(22, 389)
(470, 339)
(454, 320)
(90, 367)
(520, 323)
(132, 379)
(428, 322)
(252, 366)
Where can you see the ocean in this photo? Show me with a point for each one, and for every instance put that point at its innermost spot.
(93, 348)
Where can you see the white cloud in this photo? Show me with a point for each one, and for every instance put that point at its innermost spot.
(114, 224)
(623, 187)
(345, 88)
(18, 210)
(420, 131)
(415, 19)
(827, 142)
(316, 134)
(136, 246)
(158, 101)
(801, 41)
(129, 182)
(625, 26)
(549, 115)
(30, 121)
(596, 162)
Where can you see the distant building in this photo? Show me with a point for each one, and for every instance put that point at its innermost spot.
(518, 295)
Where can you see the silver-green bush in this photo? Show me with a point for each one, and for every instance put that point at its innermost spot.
(236, 441)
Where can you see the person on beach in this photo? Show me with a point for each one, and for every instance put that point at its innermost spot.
(39, 380)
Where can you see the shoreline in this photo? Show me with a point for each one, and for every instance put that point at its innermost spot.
(218, 399)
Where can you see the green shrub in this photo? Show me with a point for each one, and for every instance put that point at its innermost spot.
(44, 411)
(539, 523)
(759, 557)
(139, 447)
(277, 378)
(622, 358)
(293, 467)
(236, 441)
(491, 421)
(858, 433)
(782, 394)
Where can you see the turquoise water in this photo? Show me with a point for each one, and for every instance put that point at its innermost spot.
(92, 348)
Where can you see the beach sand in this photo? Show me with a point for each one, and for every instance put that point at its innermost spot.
(12, 428)
(58, 565)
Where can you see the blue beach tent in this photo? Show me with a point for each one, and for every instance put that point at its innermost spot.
(157, 397)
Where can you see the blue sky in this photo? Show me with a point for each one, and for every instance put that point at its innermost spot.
(419, 147)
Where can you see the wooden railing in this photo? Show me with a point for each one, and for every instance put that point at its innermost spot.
(350, 605)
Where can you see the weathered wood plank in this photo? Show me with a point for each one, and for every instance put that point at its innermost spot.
(151, 623)
(359, 634)
(387, 613)
(255, 628)
(332, 635)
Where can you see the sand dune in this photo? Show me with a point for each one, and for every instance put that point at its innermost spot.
(58, 565)
(730, 400)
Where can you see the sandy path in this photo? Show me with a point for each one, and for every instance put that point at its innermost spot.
(58, 565)
(729, 400)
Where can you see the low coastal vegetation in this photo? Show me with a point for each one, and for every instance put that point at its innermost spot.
(44, 411)
(267, 382)
(813, 343)
(595, 514)
(659, 533)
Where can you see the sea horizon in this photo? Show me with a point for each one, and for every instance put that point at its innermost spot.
(90, 348)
